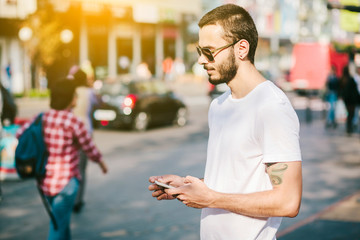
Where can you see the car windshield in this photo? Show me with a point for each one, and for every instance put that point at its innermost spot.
(151, 87)
(143, 88)
(114, 89)
(160, 88)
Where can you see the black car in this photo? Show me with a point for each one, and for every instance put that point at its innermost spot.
(138, 104)
(216, 90)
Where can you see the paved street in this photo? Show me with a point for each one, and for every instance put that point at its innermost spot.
(119, 206)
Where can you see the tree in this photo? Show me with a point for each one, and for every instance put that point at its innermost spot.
(43, 48)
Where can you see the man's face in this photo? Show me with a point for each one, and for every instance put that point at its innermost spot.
(224, 67)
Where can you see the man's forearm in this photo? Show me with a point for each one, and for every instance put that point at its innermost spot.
(259, 204)
(282, 200)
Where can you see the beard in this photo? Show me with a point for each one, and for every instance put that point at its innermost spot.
(227, 71)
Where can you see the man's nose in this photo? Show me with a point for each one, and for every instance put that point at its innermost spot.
(202, 59)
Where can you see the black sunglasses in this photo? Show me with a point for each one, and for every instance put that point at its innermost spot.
(209, 53)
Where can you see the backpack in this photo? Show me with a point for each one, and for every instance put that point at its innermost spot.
(31, 158)
(31, 154)
(9, 109)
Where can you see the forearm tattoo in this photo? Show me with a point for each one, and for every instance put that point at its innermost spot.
(276, 172)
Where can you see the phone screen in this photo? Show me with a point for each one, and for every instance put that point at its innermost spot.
(163, 185)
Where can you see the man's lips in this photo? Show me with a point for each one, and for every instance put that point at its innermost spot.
(209, 69)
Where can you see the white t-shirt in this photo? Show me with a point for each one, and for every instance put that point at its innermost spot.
(245, 133)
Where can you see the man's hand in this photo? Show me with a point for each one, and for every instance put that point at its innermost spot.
(194, 193)
(159, 192)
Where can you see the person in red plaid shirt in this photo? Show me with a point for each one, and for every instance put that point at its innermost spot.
(65, 135)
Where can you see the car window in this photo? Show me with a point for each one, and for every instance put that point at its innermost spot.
(143, 88)
(159, 88)
(114, 89)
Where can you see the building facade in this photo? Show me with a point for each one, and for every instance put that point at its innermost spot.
(14, 64)
(115, 36)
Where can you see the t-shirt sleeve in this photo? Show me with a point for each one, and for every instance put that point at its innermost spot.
(280, 133)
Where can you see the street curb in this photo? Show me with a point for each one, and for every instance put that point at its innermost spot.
(315, 216)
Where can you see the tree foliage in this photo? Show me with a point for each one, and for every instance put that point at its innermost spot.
(45, 41)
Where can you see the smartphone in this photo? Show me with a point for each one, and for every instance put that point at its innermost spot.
(163, 185)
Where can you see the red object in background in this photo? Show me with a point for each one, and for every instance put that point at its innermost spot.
(339, 60)
(312, 63)
(104, 123)
(20, 121)
(311, 66)
(129, 101)
(211, 87)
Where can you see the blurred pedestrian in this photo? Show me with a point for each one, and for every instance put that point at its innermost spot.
(178, 68)
(9, 107)
(332, 92)
(357, 108)
(64, 135)
(1, 106)
(86, 101)
(143, 71)
(88, 68)
(351, 97)
(8, 71)
(167, 66)
(253, 167)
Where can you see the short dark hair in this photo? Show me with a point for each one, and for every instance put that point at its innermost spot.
(237, 24)
(62, 93)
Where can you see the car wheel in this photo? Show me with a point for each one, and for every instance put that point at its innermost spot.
(141, 121)
(181, 117)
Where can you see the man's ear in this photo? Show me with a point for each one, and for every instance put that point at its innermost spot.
(242, 48)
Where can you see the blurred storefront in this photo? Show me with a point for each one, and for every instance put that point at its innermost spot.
(111, 37)
(116, 36)
(14, 64)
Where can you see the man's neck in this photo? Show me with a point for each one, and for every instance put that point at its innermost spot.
(246, 79)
